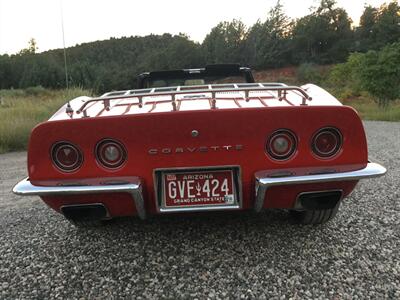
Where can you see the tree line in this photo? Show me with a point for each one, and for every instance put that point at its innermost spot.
(325, 36)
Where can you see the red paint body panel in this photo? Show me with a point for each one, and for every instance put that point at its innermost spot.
(247, 127)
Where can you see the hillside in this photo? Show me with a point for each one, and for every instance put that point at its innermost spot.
(325, 36)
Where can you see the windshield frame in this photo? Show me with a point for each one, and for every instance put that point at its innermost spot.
(209, 74)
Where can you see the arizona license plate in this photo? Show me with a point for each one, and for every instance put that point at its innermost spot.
(199, 188)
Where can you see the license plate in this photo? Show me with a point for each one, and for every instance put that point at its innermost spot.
(203, 188)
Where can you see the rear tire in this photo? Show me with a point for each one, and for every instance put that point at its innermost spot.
(312, 217)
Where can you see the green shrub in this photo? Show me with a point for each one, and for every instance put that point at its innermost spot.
(379, 73)
(308, 73)
(375, 72)
(36, 91)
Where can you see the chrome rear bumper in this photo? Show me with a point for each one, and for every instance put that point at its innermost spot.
(263, 182)
(26, 188)
(134, 188)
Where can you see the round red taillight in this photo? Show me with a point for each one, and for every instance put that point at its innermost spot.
(326, 142)
(281, 144)
(66, 156)
(110, 154)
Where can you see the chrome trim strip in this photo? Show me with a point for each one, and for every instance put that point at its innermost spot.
(134, 188)
(263, 182)
(199, 208)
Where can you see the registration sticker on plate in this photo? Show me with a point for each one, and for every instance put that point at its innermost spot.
(199, 188)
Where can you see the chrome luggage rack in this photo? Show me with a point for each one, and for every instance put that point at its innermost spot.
(196, 92)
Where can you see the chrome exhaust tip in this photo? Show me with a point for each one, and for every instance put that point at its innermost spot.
(85, 212)
(318, 200)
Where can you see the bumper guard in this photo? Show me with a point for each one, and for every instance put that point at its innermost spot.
(263, 182)
(26, 188)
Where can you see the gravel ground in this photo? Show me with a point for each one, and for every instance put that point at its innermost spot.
(262, 256)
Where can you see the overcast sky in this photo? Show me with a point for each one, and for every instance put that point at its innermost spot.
(91, 20)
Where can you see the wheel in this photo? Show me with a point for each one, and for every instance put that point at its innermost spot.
(314, 216)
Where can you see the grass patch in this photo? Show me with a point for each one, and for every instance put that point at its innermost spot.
(369, 110)
(21, 110)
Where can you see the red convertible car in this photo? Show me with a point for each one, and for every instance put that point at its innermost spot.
(199, 140)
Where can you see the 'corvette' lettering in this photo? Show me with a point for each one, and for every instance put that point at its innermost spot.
(203, 149)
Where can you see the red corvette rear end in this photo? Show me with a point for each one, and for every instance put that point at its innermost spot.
(198, 148)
